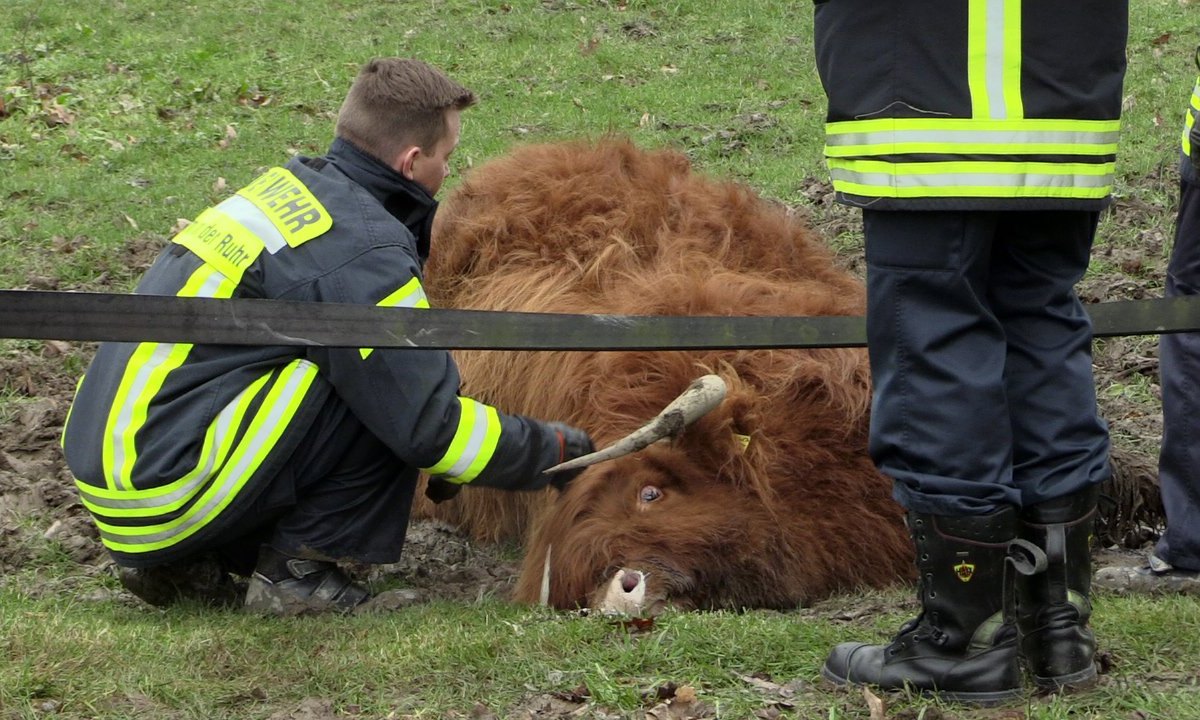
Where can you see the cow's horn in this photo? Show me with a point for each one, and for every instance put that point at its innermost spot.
(704, 394)
(544, 595)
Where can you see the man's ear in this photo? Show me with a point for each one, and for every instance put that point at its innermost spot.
(405, 160)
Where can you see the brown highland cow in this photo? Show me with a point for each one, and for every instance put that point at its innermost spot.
(768, 501)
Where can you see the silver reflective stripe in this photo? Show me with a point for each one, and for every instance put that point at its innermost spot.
(224, 425)
(946, 139)
(247, 457)
(994, 62)
(475, 440)
(254, 220)
(970, 179)
(161, 354)
(210, 285)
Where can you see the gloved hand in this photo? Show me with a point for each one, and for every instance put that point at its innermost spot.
(572, 443)
(439, 490)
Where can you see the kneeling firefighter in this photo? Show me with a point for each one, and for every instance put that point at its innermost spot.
(277, 463)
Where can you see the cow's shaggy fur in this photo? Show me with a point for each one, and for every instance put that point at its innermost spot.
(605, 227)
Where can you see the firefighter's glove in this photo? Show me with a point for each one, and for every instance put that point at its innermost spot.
(440, 490)
(572, 443)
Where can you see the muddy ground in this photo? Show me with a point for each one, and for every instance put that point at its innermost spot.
(41, 518)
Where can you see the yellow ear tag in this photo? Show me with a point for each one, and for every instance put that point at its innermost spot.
(743, 440)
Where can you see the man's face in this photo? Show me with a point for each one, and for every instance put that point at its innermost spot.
(431, 165)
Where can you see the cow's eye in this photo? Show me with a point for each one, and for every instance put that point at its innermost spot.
(650, 494)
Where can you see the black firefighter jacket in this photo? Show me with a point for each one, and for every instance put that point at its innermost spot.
(972, 104)
(163, 438)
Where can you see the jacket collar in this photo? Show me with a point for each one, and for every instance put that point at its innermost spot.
(405, 200)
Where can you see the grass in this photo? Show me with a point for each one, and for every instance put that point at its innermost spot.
(97, 658)
(119, 118)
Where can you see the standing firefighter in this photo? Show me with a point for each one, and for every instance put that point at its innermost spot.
(979, 139)
(278, 462)
(1174, 564)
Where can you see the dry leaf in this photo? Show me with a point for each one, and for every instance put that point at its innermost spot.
(760, 683)
(635, 625)
(875, 703)
(57, 115)
(55, 348)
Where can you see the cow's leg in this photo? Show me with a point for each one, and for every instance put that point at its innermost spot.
(1054, 606)
(963, 645)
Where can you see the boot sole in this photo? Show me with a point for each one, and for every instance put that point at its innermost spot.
(1081, 680)
(978, 699)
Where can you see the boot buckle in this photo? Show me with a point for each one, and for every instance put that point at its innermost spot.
(1026, 558)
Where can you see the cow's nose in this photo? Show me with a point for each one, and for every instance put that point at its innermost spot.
(630, 580)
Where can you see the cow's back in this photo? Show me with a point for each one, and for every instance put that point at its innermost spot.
(608, 228)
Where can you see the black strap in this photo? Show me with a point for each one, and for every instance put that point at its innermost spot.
(45, 315)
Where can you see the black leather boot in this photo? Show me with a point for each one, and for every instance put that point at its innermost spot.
(963, 645)
(1053, 607)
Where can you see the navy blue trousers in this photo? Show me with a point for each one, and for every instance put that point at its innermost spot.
(1179, 375)
(343, 495)
(981, 358)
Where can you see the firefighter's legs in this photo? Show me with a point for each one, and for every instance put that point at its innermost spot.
(343, 496)
(940, 417)
(1179, 370)
(1059, 441)
(1174, 565)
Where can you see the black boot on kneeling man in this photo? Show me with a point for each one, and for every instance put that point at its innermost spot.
(285, 585)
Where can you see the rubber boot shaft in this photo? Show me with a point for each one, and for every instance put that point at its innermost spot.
(1053, 607)
(961, 647)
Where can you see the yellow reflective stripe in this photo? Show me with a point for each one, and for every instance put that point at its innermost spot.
(62, 439)
(222, 242)
(410, 295)
(1048, 125)
(1190, 119)
(218, 440)
(474, 443)
(994, 58)
(899, 136)
(144, 375)
(289, 205)
(972, 179)
(269, 423)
